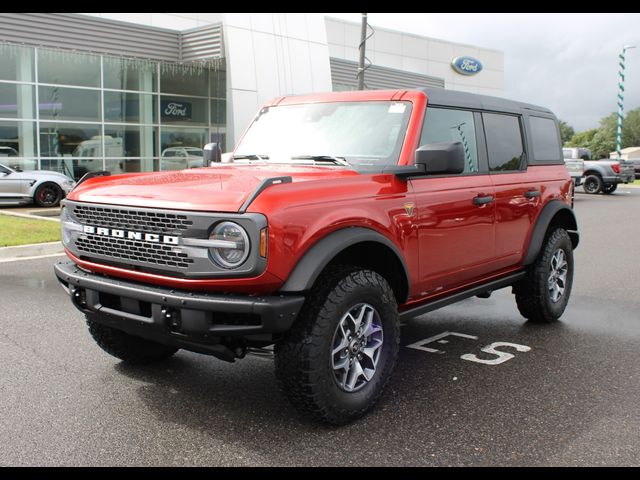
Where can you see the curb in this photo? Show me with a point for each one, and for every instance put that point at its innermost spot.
(22, 252)
(32, 217)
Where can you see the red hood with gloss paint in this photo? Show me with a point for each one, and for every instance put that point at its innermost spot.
(221, 188)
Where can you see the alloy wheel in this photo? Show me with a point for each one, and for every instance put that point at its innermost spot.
(557, 280)
(356, 347)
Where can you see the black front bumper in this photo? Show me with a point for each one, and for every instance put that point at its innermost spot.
(176, 316)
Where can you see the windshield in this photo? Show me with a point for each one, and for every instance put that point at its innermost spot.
(362, 133)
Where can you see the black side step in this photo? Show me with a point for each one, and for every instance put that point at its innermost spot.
(456, 297)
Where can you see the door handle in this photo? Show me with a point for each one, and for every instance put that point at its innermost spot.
(480, 200)
(532, 193)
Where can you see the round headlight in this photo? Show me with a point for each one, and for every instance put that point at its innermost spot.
(234, 244)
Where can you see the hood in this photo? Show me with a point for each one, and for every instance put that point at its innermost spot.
(221, 188)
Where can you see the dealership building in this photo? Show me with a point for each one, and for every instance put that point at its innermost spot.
(130, 92)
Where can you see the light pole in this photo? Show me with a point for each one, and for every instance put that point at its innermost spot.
(363, 41)
(621, 100)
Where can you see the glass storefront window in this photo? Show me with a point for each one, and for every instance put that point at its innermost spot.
(88, 122)
(70, 140)
(181, 147)
(16, 63)
(127, 74)
(68, 68)
(123, 107)
(17, 139)
(65, 165)
(130, 165)
(218, 112)
(129, 141)
(60, 103)
(218, 83)
(16, 101)
(187, 81)
(183, 110)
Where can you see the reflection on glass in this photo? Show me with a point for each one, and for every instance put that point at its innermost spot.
(184, 81)
(183, 110)
(129, 141)
(182, 148)
(218, 83)
(218, 112)
(130, 74)
(68, 68)
(78, 140)
(16, 101)
(130, 107)
(17, 139)
(59, 103)
(16, 63)
(129, 165)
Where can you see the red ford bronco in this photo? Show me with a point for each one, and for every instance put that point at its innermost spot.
(337, 216)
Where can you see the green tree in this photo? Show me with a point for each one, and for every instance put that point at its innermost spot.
(582, 139)
(631, 129)
(566, 131)
(602, 140)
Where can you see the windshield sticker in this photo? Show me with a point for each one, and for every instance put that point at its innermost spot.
(397, 108)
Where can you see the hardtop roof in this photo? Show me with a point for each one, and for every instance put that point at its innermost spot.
(454, 98)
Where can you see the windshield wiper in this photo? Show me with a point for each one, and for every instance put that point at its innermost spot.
(322, 158)
(251, 156)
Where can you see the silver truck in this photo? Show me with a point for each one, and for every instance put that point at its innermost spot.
(601, 175)
(575, 163)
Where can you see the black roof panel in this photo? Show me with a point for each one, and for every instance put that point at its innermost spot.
(441, 96)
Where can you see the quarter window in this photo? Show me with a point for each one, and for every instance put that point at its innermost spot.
(504, 142)
(546, 140)
(447, 125)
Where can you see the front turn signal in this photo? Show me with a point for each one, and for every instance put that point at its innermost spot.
(263, 243)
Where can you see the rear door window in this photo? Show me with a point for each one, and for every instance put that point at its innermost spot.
(504, 142)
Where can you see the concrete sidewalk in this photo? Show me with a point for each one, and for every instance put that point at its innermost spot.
(34, 250)
(49, 214)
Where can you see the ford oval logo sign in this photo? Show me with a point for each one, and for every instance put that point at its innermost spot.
(466, 65)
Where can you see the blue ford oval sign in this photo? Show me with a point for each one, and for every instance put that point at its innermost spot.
(466, 65)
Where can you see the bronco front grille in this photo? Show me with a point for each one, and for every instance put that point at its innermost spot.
(154, 240)
(123, 249)
(129, 219)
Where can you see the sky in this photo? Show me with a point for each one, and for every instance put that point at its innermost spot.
(565, 62)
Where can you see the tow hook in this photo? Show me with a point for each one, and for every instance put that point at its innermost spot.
(79, 297)
(172, 317)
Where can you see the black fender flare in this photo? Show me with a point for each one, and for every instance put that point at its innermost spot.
(309, 267)
(549, 211)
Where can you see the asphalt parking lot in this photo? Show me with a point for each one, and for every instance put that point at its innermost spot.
(568, 395)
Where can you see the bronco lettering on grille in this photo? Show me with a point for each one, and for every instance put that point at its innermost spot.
(140, 236)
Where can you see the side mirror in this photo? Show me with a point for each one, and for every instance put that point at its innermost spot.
(212, 153)
(441, 158)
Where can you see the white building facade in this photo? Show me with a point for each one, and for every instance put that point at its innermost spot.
(140, 71)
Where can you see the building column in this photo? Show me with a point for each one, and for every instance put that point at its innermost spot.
(146, 117)
(26, 102)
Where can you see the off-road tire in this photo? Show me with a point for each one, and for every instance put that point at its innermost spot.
(128, 348)
(303, 357)
(532, 293)
(609, 189)
(592, 184)
(48, 194)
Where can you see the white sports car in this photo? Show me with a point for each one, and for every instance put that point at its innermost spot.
(42, 187)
